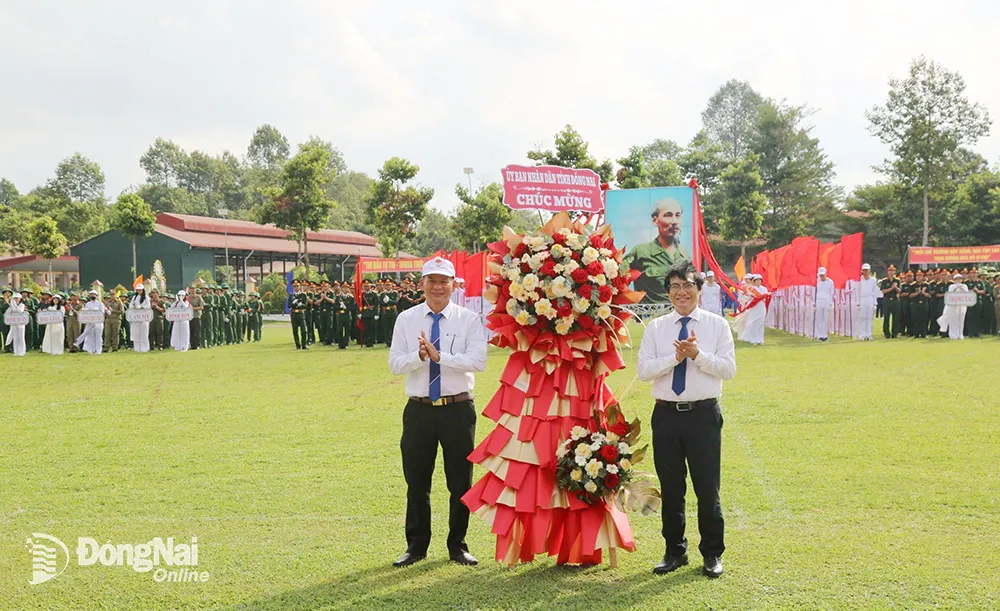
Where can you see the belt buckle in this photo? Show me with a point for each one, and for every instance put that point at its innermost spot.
(439, 402)
(685, 406)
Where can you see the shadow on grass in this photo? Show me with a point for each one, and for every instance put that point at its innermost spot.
(438, 584)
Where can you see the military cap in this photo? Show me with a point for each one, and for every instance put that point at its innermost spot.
(46, 292)
(225, 286)
(891, 267)
(7, 289)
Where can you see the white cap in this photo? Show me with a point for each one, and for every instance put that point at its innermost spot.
(92, 292)
(710, 274)
(821, 271)
(138, 285)
(181, 292)
(459, 279)
(957, 276)
(866, 266)
(440, 266)
(16, 296)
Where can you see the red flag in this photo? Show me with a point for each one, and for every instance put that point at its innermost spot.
(358, 295)
(806, 260)
(834, 270)
(789, 275)
(851, 255)
(774, 270)
(475, 275)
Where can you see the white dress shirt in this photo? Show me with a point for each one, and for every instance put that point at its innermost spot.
(824, 291)
(711, 297)
(869, 288)
(463, 349)
(716, 356)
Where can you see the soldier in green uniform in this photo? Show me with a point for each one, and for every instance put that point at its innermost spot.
(297, 303)
(404, 302)
(989, 322)
(920, 298)
(996, 302)
(936, 307)
(4, 327)
(890, 287)
(346, 309)
(207, 321)
(389, 301)
(241, 316)
(73, 327)
(226, 308)
(906, 288)
(255, 317)
(113, 322)
(156, 325)
(369, 313)
(974, 314)
(325, 305)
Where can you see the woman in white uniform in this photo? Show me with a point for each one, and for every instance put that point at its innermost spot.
(15, 337)
(180, 334)
(92, 338)
(139, 331)
(952, 319)
(55, 334)
(752, 327)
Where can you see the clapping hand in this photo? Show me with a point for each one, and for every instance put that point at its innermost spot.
(687, 348)
(427, 349)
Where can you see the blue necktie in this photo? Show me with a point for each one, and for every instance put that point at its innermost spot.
(435, 393)
(680, 369)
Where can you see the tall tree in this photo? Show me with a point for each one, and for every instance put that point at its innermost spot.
(893, 211)
(434, 232)
(972, 214)
(572, 151)
(480, 220)
(79, 179)
(633, 174)
(743, 208)
(730, 118)
(925, 120)
(337, 163)
(395, 208)
(797, 175)
(163, 161)
(661, 150)
(45, 241)
(301, 202)
(268, 148)
(703, 160)
(350, 190)
(134, 218)
(14, 227)
(8, 193)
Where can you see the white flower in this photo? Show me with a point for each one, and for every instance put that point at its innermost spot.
(511, 307)
(590, 255)
(564, 231)
(575, 241)
(600, 279)
(625, 464)
(534, 242)
(596, 445)
(561, 287)
(570, 266)
(559, 268)
(559, 251)
(590, 487)
(564, 325)
(623, 448)
(613, 469)
(593, 467)
(584, 450)
(581, 305)
(597, 436)
(612, 438)
(605, 252)
(580, 460)
(577, 432)
(610, 268)
(530, 283)
(522, 318)
(576, 475)
(604, 311)
(543, 307)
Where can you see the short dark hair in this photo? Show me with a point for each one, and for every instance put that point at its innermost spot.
(681, 271)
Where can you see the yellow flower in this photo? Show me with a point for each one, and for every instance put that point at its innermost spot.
(604, 311)
(564, 325)
(590, 255)
(584, 450)
(625, 464)
(511, 307)
(612, 437)
(543, 307)
(581, 305)
(561, 287)
(576, 475)
(522, 317)
(593, 467)
(529, 282)
(600, 279)
(590, 487)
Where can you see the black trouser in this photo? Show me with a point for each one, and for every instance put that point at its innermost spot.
(694, 437)
(424, 427)
(890, 317)
(918, 319)
(299, 328)
(195, 333)
(370, 331)
(937, 309)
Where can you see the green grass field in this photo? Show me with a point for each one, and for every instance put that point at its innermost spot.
(855, 476)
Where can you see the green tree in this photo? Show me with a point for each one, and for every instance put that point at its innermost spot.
(350, 191)
(743, 208)
(893, 210)
(572, 151)
(730, 118)
(661, 150)
(163, 161)
(268, 148)
(972, 214)
(14, 228)
(301, 202)
(45, 241)
(632, 174)
(205, 275)
(394, 208)
(133, 218)
(703, 160)
(436, 231)
(79, 179)
(9, 195)
(79, 221)
(925, 121)
(480, 220)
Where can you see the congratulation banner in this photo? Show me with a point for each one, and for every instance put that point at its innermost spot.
(956, 254)
(549, 187)
(386, 266)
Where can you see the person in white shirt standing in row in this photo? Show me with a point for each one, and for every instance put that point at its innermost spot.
(868, 297)
(686, 355)
(711, 295)
(438, 346)
(824, 306)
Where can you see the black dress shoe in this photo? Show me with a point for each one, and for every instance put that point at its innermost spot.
(408, 558)
(463, 557)
(670, 564)
(713, 567)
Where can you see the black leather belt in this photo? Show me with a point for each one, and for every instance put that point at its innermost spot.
(465, 396)
(686, 406)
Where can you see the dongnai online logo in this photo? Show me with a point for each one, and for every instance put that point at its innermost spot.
(141, 557)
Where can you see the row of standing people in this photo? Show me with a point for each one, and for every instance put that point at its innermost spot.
(913, 304)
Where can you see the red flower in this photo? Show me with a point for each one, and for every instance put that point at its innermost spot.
(604, 293)
(595, 268)
(585, 290)
(609, 452)
(505, 291)
(548, 268)
(611, 480)
(586, 322)
(559, 238)
(563, 308)
(596, 241)
(620, 429)
(620, 282)
(520, 250)
(541, 323)
(575, 256)
(579, 275)
(525, 268)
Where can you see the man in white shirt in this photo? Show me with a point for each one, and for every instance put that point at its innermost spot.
(868, 296)
(686, 355)
(458, 295)
(824, 306)
(437, 345)
(711, 294)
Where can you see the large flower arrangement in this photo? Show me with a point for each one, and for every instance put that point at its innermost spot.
(558, 294)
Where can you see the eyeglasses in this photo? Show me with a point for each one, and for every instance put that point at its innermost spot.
(687, 286)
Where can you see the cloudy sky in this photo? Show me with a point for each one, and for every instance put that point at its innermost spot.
(450, 84)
